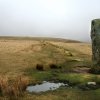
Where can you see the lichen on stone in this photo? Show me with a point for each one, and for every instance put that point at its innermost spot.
(95, 36)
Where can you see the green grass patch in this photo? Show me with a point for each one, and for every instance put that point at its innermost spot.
(79, 78)
(57, 74)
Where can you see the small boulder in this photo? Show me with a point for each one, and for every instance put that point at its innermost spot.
(91, 83)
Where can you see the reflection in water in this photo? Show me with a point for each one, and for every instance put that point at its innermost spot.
(45, 86)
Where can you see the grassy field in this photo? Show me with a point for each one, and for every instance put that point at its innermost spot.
(19, 57)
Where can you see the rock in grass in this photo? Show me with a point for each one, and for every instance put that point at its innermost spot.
(91, 83)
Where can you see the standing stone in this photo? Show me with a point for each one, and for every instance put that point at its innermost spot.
(95, 36)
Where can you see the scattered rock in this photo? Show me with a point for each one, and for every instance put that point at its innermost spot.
(89, 86)
(91, 83)
(77, 60)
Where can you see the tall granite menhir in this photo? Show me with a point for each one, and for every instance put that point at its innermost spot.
(95, 36)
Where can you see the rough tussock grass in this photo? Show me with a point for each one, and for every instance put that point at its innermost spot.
(12, 89)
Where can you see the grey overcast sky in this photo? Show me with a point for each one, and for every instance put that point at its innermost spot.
(48, 18)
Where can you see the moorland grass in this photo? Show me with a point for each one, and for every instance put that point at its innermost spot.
(19, 56)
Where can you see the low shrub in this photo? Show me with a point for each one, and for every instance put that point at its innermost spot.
(95, 70)
(53, 66)
(39, 67)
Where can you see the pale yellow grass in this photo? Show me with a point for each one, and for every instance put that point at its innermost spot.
(17, 55)
(10, 46)
(84, 48)
(12, 59)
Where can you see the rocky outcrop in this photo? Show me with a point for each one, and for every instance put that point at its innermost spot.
(95, 36)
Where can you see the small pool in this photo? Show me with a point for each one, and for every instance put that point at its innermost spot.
(45, 86)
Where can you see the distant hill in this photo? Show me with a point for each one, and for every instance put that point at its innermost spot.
(40, 38)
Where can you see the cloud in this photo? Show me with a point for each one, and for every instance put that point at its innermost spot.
(52, 18)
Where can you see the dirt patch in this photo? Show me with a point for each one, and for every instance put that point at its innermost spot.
(81, 70)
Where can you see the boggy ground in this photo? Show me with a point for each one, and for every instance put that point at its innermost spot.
(19, 57)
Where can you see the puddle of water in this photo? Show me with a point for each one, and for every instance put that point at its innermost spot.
(45, 86)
